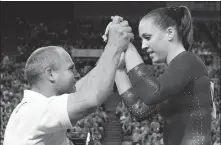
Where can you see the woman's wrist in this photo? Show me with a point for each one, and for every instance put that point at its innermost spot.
(122, 81)
(132, 57)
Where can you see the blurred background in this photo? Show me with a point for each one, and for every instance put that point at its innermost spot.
(78, 27)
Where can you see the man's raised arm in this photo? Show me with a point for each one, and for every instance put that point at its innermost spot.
(96, 85)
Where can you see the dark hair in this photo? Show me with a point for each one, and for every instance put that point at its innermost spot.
(39, 60)
(178, 16)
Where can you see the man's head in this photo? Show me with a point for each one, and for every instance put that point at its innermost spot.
(52, 68)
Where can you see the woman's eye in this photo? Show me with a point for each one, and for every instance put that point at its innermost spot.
(147, 38)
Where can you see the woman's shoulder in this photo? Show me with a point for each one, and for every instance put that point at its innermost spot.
(194, 62)
(189, 59)
(187, 56)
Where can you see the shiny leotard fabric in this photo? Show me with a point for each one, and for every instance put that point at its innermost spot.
(181, 95)
(138, 109)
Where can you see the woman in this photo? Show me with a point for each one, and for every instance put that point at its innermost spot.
(182, 93)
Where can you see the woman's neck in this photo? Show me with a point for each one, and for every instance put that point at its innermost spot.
(173, 52)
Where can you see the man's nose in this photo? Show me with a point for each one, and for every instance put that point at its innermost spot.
(77, 75)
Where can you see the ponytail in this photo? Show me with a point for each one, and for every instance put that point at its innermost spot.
(186, 27)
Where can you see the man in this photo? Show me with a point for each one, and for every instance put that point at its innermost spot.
(54, 104)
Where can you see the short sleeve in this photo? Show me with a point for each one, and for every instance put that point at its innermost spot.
(54, 115)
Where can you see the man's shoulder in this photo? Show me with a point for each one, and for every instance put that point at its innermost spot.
(57, 97)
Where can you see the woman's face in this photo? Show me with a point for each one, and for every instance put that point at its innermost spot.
(154, 40)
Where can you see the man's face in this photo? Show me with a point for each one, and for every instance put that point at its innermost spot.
(153, 40)
(67, 75)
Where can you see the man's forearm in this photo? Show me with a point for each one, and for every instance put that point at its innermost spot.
(99, 82)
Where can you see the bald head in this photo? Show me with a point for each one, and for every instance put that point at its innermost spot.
(41, 59)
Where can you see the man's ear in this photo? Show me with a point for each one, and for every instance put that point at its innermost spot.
(170, 33)
(50, 74)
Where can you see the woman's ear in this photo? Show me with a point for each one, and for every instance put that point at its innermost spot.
(170, 33)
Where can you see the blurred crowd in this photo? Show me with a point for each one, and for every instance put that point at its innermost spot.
(86, 33)
(92, 124)
(147, 132)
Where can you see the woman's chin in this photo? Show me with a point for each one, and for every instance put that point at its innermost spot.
(74, 89)
(71, 90)
(157, 61)
(154, 60)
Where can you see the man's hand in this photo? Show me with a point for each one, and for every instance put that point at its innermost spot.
(120, 34)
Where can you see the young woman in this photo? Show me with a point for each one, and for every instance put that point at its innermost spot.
(181, 94)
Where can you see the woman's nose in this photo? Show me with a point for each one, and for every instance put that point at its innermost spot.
(144, 45)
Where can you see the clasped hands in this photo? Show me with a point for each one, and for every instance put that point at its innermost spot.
(119, 33)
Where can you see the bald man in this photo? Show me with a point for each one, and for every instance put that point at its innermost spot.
(56, 101)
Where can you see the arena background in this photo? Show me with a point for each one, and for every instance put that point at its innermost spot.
(78, 27)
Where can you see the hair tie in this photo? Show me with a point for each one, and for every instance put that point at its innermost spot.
(175, 8)
(175, 13)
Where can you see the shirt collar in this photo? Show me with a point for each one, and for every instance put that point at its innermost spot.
(29, 94)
